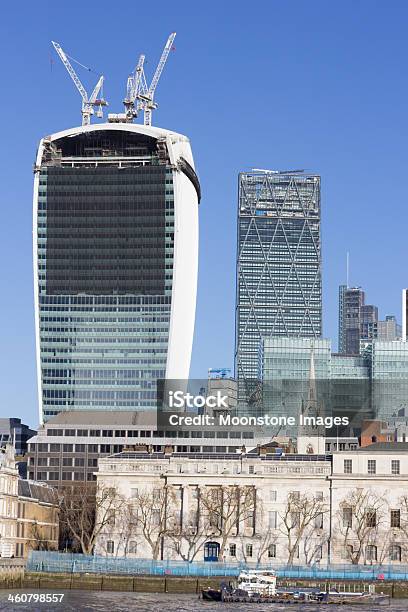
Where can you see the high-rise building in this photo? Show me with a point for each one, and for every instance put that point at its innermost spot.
(404, 314)
(359, 323)
(389, 329)
(115, 265)
(278, 265)
(357, 320)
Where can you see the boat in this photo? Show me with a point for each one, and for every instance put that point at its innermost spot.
(259, 586)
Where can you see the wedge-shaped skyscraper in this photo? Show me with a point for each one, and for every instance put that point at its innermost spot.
(279, 290)
(115, 265)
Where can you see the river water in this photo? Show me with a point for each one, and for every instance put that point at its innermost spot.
(97, 601)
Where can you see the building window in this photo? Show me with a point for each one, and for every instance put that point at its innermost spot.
(371, 517)
(395, 552)
(68, 448)
(395, 466)
(55, 448)
(319, 552)
(272, 551)
(273, 496)
(395, 518)
(110, 547)
(251, 469)
(347, 517)
(233, 550)
(319, 521)
(295, 519)
(371, 466)
(248, 550)
(347, 552)
(371, 552)
(79, 448)
(348, 466)
(132, 547)
(272, 516)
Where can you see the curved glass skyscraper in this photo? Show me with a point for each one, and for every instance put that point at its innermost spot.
(115, 265)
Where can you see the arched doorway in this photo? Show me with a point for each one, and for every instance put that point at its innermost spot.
(211, 551)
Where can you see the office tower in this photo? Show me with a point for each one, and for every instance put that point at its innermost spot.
(404, 314)
(278, 265)
(115, 265)
(389, 371)
(342, 382)
(13, 431)
(389, 329)
(357, 320)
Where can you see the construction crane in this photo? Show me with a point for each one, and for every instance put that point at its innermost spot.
(136, 84)
(88, 103)
(146, 100)
(140, 97)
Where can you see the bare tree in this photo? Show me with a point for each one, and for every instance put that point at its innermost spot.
(229, 510)
(153, 513)
(85, 512)
(38, 538)
(123, 530)
(189, 538)
(314, 539)
(359, 519)
(300, 518)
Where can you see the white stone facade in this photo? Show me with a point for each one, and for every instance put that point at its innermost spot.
(311, 489)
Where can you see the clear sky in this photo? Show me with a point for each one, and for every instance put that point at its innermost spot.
(270, 84)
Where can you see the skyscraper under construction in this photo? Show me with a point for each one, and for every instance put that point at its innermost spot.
(115, 265)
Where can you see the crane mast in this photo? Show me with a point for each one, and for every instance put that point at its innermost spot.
(148, 104)
(139, 96)
(88, 103)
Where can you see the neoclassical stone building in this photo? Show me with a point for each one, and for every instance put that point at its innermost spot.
(259, 507)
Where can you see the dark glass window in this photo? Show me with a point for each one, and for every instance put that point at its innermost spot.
(106, 230)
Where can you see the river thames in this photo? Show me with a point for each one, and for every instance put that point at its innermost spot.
(97, 601)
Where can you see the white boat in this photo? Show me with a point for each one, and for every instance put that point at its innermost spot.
(257, 581)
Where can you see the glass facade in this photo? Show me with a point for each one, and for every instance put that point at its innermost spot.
(105, 242)
(285, 373)
(390, 377)
(278, 265)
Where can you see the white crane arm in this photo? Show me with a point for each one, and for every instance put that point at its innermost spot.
(71, 71)
(161, 64)
(96, 90)
(138, 77)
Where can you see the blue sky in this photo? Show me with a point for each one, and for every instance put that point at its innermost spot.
(290, 84)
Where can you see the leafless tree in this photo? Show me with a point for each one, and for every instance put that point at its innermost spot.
(153, 516)
(230, 510)
(86, 511)
(359, 519)
(123, 530)
(38, 538)
(300, 518)
(188, 539)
